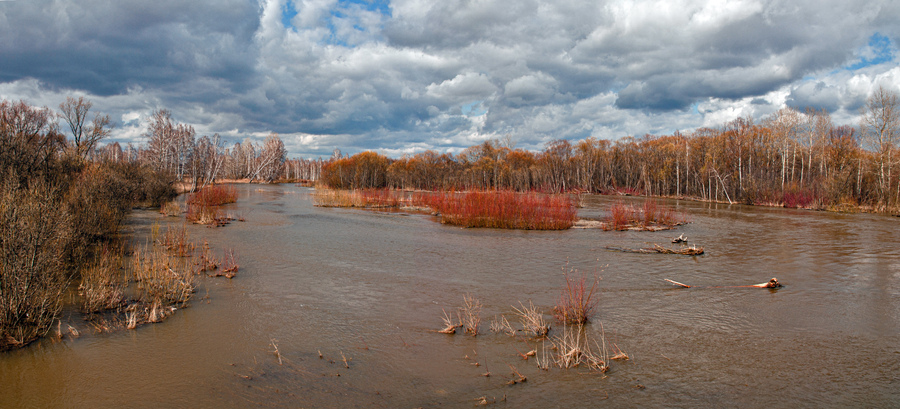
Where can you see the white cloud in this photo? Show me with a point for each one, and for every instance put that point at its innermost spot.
(343, 76)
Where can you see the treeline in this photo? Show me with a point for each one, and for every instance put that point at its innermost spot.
(176, 150)
(792, 158)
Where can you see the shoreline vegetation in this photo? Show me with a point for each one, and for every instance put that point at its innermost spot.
(62, 204)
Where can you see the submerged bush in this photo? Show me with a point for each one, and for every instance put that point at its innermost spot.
(204, 206)
(505, 210)
(650, 216)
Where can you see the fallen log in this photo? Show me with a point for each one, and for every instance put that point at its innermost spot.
(773, 283)
(686, 251)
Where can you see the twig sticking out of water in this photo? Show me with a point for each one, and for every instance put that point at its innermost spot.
(346, 361)
(275, 351)
(543, 361)
(521, 378)
(619, 355)
(677, 283)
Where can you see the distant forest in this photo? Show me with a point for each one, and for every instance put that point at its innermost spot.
(791, 158)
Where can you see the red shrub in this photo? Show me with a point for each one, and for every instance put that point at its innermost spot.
(651, 214)
(505, 210)
(576, 302)
(214, 195)
(203, 206)
(798, 198)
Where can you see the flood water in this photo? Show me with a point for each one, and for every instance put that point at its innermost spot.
(371, 287)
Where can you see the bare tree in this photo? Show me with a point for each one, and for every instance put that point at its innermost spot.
(161, 143)
(879, 126)
(270, 160)
(85, 136)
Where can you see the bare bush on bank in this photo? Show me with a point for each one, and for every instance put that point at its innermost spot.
(34, 233)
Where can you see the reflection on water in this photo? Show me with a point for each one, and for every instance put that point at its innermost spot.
(370, 287)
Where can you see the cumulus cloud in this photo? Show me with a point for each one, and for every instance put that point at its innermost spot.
(406, 75)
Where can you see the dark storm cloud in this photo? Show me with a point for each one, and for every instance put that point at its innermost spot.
(104, 47)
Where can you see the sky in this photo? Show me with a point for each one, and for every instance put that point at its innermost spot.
(404, 76)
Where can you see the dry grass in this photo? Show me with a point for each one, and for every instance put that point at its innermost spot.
(163, 282)
(532, 320)
(470, 314)
(449, 325)
(363, 198)
(501, 325)
(103, 282)
(576, 348)
(172, 209)
(176, 241)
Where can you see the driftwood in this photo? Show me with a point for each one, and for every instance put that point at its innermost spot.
(680, 239)
(686, 251)
(773, 283)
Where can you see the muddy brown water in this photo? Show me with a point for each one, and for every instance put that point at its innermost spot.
(372, 286)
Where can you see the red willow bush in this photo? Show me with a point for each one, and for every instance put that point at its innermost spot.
(649, 216)
(504, 210)
(203, 205)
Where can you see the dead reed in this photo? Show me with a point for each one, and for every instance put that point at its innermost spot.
(449, 325)
(470, 314)
(229, 267)
(208, 261)
(361, 198)
(172, 209)
(504, 209)
(175, 240)
(501, 324)
(577, 302)
(575, 348)
(532, 320)
(163, 282)
(103, 283)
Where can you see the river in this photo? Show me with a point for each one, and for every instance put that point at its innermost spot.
(324, 285)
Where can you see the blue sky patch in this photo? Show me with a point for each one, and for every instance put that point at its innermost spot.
(381, 6)
(288, 12)
(879, 50)
(474, 109)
